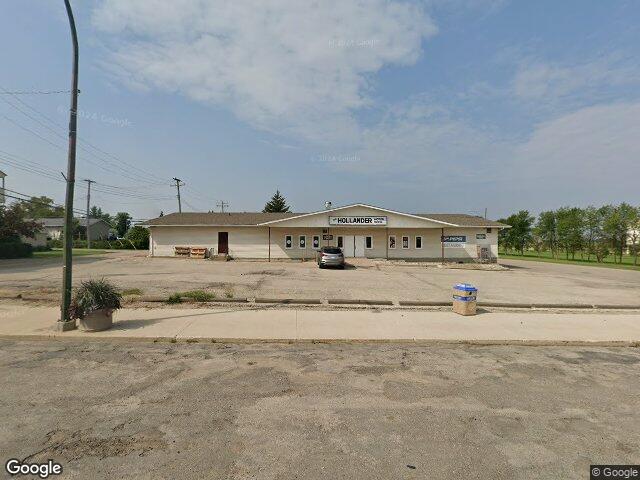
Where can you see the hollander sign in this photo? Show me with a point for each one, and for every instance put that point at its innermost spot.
(454, 241)
(367, 221)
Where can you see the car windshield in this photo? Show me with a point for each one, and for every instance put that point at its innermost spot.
(331, 250)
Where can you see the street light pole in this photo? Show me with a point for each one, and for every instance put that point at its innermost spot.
(65, 323)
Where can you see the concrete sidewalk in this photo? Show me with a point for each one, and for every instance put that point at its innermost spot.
(270, 324)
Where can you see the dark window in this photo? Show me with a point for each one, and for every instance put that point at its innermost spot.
(405, 242)
(339, 242)
(368, 242)
(418, 242)
(488, 230)
(302, 241)
(288, 241)
(392, 241)
(316, 241)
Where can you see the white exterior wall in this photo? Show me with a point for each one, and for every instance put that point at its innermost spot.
(253, 242)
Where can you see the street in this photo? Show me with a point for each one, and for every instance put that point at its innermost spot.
(280, 411)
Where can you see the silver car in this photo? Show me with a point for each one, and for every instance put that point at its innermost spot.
(330, 257)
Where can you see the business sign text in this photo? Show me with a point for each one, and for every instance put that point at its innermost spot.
(454, 241)
(368, 221)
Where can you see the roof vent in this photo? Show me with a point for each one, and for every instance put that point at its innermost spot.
(327, 205)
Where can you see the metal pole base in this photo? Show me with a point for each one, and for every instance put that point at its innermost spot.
(65, 326)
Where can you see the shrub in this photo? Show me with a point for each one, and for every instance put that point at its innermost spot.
(139, 236)
(199, 295)
(14, 248)
(175, 298)
(94, 295)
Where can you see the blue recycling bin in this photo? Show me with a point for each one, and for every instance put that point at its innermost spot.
(464, 299)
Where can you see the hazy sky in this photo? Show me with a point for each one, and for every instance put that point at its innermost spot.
(434, 106)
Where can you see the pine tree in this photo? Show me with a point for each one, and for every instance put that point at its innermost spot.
(277, 204)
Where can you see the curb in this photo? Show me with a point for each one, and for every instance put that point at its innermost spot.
(329, 341)
(345, 301)
(293, 301)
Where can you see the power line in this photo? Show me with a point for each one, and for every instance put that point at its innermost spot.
(34, 92)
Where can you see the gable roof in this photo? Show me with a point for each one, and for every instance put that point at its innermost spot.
(266, 219)
(217, 218)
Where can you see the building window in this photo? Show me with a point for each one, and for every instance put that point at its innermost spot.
(392, 241)
(340, 241)
(405, 242)
(288, 241)
(418, 242)
(488, 230)
(368, 242)
(316, 241)
(302, 241)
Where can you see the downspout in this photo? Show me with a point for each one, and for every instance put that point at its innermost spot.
(386, 229)
(442, 243)
(269, 243)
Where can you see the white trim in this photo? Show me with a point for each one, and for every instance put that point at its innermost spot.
(300, 237)
(285, 241)
(402, 237)
(365, 242)
(415, 242)
(395, 242)
(358, 205)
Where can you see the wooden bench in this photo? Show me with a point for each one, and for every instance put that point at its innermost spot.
(198, 252)
(181, 251)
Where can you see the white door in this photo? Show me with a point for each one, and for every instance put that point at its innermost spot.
(358, 248)
(348, 245)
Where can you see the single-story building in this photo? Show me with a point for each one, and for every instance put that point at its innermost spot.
(52, 229)
(359, 230)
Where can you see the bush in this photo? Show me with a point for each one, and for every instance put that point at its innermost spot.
(199, 295)
(139, 236)
(94, 295)
(14, 248)
(175, 298)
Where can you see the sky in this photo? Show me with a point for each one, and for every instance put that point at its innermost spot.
(448, 106)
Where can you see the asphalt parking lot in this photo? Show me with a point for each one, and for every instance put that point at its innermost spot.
(145, 410)
(522, 282)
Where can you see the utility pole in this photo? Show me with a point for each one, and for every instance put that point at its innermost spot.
(179, 183)
(222, 204)
(65, 323)
(89, 182)
(2, 175)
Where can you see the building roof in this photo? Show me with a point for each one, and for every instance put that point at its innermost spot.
(461, 219)
(259, 218)
(216, 218)
(59, 222)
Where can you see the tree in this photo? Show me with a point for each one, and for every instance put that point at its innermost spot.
(519, 235)
(546, 229)
(122, 223)
(277, 204)
(96, 212)
(617, 225)
(634, 235)
(569, 228)
(14, 223)
(41, 207)
(592, 229)
(139, 236)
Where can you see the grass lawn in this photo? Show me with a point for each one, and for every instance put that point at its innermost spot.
(627, 260)
(57, 252)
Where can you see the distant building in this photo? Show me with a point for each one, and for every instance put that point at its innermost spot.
(52, 230)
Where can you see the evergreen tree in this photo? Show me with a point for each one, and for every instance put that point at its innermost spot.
(277, 204)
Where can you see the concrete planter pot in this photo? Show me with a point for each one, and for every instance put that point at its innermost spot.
(97, 321)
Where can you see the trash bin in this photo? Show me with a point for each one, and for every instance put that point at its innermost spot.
(464, 299)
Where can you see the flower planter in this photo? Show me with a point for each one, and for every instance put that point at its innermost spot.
(97, 321)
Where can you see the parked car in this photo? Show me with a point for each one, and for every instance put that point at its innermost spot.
(330, 257)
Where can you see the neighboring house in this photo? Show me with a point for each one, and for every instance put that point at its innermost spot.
(52, 230)
(360, 230)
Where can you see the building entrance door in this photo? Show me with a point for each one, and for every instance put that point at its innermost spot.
(353, 246)
(223, 242)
